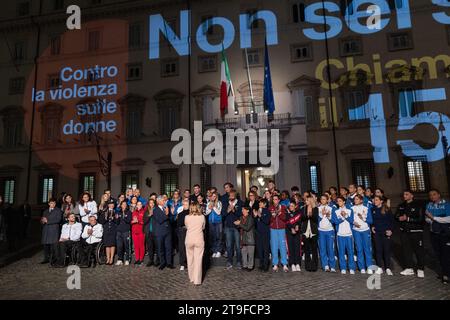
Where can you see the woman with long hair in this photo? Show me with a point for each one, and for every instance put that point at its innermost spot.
(213, 212)
(103, 202)
(149, 231)
(195, 244)
(383, 225)
(107, 217)
(310, 232)
(69, 206)
(137, 231)
(380, 193)
(87, 207)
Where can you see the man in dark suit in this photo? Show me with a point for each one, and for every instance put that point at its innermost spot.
(163, 234)
(51, 221)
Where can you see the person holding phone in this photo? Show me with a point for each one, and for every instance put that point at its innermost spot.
(293, 235)
(107, 218)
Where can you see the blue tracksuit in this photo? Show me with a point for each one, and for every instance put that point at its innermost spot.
(326, 238)
(362, 235)
(344, 237)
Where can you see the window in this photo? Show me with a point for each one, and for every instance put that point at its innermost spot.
(406, 99)
(205, 177)
(19, 51)
(354, 99)
(169, 121)
(47, 188)
(298, 12)
(55, 45)
(169, 181)
(169, 68)
(23, 9)
(134, 35)
(364, 173)
(207, 63)
(255, 58)
(252, 15)
(54, 81)
(93, 40)
(208, 28)
(16, 85)
(58, 4)
(312, 114)
(350, 46)
(130, 180)
(9, 190)
(314, 177)
(87, 183)
(417, 174)
(13, 133)
(301, 52)
(133, 130)
(400, 41)
(134, 71)
(51, 119)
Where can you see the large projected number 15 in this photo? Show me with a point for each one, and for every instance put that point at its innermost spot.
(373, 110)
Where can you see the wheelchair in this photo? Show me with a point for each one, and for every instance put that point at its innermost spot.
(71, 258)
(98, 255)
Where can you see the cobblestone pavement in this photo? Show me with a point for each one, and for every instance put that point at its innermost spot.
(26, 279)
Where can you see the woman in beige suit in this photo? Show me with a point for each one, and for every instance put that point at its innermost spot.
(195, 243)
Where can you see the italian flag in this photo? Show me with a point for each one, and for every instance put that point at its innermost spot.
(226, 86)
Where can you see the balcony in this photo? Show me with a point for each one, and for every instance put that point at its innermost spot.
(282, 121)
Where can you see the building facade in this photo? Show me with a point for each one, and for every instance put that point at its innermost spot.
(371, 120)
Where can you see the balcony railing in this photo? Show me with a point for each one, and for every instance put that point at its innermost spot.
(257, 121)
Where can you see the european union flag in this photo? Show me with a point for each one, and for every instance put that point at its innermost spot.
(269, 101)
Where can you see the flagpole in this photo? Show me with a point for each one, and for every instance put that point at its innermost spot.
(330, 93)
(249, 78)
(189, 85)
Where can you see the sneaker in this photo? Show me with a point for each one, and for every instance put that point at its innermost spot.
(297, 267)
(213, 255)
(182, 268)
(343, 271)
(294, 268)
(218, 255)
(445, 280)
(407, 272)
(379, 271)
(369, 271)
(285, 268)
(363, 271)
(333, 270)
(229, 267)
(119, 263)
(420, 274)
(352, 271)
(275, 268)
(127, 263)
(389, 272)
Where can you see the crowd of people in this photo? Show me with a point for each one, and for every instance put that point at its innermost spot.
(346, 229)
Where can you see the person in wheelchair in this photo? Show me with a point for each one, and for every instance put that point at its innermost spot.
(70, 237)
(92, 236)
